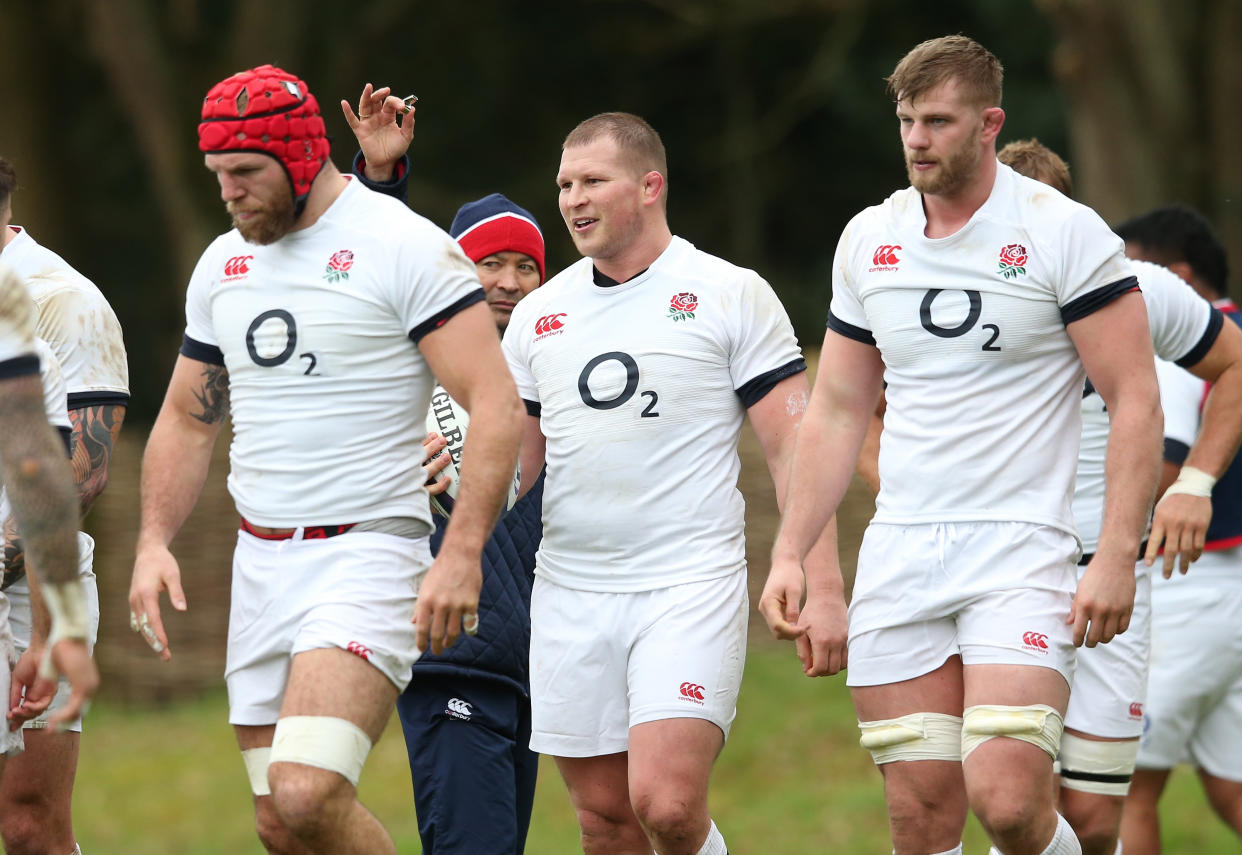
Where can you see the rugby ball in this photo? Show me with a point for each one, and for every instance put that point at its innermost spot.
(449, 419)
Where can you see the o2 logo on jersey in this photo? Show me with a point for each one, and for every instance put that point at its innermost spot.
(1012, 261)
(549, 325)
(973, 311)
(885, 258)
(609, 377)
(272, 338)
(237, 266)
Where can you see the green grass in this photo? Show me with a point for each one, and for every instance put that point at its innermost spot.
(792, 780)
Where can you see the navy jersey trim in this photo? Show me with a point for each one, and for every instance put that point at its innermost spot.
(533, 408)
(605, 281)
(753, 391)
(66, 436)
(1175, 451)
(201, 351)
(1216, 321)
(82, 400)
(441, 318)
(1080, 307)
(849, 330)
(19, 366)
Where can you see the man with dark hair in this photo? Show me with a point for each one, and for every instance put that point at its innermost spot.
(979, 296)
(1194, 700)
(75, 320)
(638, 365)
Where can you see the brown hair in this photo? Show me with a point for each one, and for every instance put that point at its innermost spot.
(1035, 160)
(638, 141)
(947, 58)
(8, 183)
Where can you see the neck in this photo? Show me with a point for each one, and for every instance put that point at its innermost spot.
(9, 234)
(948, 212)
(327, 186)
(638, 256)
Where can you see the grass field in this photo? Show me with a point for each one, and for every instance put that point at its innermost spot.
(791, 781)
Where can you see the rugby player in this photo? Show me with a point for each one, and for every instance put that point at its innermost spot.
(75, 319)
(317, 324)
(979, 296)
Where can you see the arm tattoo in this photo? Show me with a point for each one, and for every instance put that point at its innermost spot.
(213, 394)
(14, 555)
(95, 430)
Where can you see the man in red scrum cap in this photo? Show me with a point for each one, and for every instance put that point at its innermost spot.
(318, 323)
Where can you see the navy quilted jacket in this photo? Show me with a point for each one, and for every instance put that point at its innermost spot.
(501, 650)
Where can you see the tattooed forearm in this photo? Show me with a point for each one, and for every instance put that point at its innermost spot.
(14, 555)
(213, 394)
(95, 430)
(39, 484)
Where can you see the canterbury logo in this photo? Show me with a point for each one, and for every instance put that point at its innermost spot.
(359, 649)
(238, 265)
(1035, 639)
(462, 708)
(549, 324)
(692, 691)
(1136, 710)
(886, 256)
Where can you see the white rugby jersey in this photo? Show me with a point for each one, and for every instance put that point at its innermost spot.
(18, 354)
(327, 391)
(76, 320)
(1183, 328)
(983, 382)
(642, 387)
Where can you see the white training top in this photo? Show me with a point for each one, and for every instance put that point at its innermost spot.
(75, 319)
(641, 388)
(983, 380)
(327, 391)
(18, 356)
(1183, 329)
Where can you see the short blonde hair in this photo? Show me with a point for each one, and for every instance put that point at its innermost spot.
(638, 142)
(1035, 160)
(938, 61)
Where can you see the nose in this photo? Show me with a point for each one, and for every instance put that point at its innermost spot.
(916, 135)
(575, 195)
(230, 188)
(507, 281)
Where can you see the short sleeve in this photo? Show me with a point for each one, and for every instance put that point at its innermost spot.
(1094, 268)
(1181, 321)
(763, 339)
(198, 324)
(17, 328)
(514, 346)
(1181, 395)
(845, 312)
(433, 279)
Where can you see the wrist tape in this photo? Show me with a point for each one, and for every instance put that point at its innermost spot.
(66, 603)
(1192, 482)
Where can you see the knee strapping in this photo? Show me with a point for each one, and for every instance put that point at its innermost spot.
(323, 741)
(918, 736)
(1103, 768)
(1038, 724)
(257, 760)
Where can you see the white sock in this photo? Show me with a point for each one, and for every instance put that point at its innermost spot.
(714, 844)
(1118, 852)
(956, 850)
(1064, 841)
(77, 849)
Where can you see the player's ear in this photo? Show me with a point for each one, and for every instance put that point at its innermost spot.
(653, 187)
(993, 121)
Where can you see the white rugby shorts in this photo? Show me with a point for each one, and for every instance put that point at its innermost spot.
(997, 593)
(355, 591)
(601, 663)
(19, 619)
(11, 742)
(1194, 697)
(1110, 680)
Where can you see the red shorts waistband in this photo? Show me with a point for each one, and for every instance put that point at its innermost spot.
(309, 532)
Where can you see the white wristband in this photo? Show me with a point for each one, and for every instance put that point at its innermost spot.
(1192, 482)
(66, 603)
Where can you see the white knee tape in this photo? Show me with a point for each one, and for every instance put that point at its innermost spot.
(323, 741)
(1104, 768)
(1037, 724)
(256, 760)
(919, 736)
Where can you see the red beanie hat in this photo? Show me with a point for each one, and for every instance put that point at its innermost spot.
(494, 224)
(267, 110)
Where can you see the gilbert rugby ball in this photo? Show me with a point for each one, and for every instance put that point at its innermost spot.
(449, 419)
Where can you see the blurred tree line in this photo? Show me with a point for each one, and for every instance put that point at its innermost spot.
(773, 111)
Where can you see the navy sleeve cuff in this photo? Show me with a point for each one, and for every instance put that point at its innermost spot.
(1216, 320)
(752, 391)
(533, 408)
(82, 400)
(398, 187)
(1076, 310)
(208, 353)
(66, 436)
(19, 366)
(849, 330)
(441, 318)
(1175, 451)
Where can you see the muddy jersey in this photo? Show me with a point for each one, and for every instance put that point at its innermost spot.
(983, 381)
(641, 388)
(74, 318)
(318, 331)
(18, 352)
(1184, 326)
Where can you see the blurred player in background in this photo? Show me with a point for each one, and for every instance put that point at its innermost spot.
(317, 325)
(979, 296)
(74, 318)
(1105, 715)
(1194, 698)
(466, 712)
(40, 492)
(638, 365)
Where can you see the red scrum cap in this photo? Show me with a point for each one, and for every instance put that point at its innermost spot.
(268, 110)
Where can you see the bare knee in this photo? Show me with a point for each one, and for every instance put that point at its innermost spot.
(307, 801)
(275, 837)
(1096, 820)
(671, 818)
(925, 814)
(31, 823)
